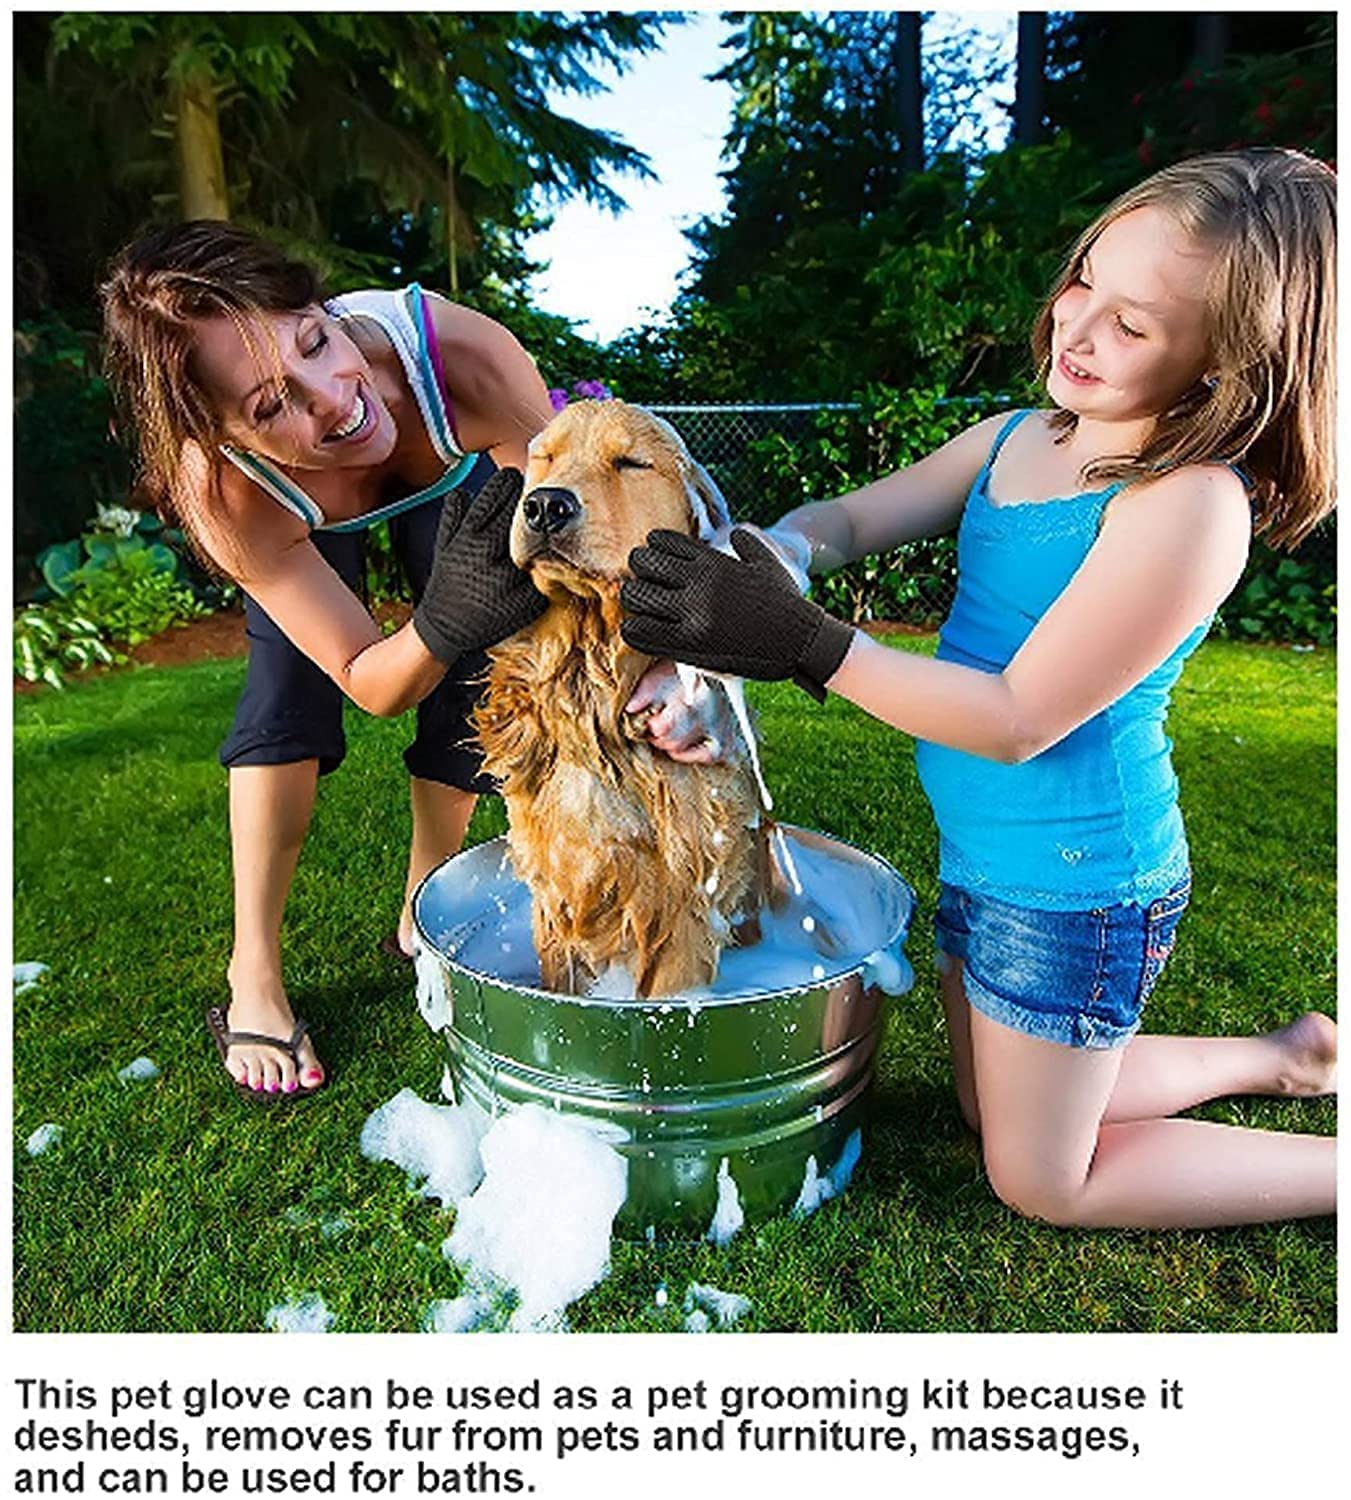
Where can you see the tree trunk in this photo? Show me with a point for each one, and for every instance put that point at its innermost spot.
(452, 230)
(1029, 103)
(1212, 41)
(909, 91)
(201, 162)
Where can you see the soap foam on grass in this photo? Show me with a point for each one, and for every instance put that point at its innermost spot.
(540, 1221)
(535, 1193)
(44, 1138)
(437, 1145)
(26, 976)
(817, 1189)
(728, 1216)
(728, 1308)
(138, 1070)
(305, 1314)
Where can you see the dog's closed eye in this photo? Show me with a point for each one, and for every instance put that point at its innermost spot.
(628, 461)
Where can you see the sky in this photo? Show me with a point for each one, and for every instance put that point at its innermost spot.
(606, 272)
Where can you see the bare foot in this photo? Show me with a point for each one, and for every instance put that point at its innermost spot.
(258, 1003)
(1308, 1056)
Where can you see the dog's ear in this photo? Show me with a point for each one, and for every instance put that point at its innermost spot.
(710, 509)
(707, 507)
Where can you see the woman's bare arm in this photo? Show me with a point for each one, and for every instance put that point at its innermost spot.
(268, 552)
(499, 398)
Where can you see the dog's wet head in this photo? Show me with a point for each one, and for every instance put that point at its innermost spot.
(600, 476)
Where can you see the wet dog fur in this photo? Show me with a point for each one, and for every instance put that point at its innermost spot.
(632, 859)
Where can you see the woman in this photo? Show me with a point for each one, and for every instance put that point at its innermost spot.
(275, 427)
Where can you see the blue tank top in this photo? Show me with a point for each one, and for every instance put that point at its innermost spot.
(1093, 820)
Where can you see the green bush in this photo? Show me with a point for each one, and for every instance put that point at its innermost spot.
(65, 461)
(1284, 599)
(848, 449)
(51, 639)
(117, 585)
(131, 597)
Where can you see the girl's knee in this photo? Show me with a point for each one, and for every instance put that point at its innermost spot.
(1032, 1189)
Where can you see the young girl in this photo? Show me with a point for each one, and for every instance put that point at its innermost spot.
(1188, 352)
(276, 427)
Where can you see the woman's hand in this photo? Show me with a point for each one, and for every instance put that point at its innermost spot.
(476, 596)
(697, 732)
(740, 615)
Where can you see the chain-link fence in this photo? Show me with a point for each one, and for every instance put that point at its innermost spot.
(720, 437)
(751, 450)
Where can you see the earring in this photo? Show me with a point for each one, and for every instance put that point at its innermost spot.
(1210, 381)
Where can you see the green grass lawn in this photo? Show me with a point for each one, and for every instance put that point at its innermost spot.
(173, 1205)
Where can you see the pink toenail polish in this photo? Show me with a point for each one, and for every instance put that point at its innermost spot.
(272, 1086)
(290, 1087)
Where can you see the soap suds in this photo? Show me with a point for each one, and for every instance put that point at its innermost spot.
(305, 1314)
(437, 1145)
(727, 1307)
(44, 1138)
(541, 1219)
(138, 1070)
(728, 1216)
(26, 975)
(817, 1189)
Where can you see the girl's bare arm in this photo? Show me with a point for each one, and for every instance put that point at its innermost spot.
(1168, 554)
(925, 499)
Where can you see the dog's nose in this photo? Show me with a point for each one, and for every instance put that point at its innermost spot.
(548, 510)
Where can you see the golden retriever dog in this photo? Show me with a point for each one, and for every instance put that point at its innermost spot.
(634, 861)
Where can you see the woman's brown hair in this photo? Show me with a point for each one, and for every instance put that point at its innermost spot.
(155, 291)
(1268, 401)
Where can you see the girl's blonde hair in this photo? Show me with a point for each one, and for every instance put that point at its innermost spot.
(154, 294)
(1268, 399)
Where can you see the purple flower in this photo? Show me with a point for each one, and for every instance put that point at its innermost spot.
(558, 398)
(592, 390)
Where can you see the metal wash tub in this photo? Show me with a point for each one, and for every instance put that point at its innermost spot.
(771, 1078)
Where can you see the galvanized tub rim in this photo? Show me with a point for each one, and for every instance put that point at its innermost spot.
(656, 1003)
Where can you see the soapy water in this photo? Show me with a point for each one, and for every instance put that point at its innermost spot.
(848, 917)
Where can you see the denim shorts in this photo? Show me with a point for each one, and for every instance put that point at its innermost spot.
(1080, 978)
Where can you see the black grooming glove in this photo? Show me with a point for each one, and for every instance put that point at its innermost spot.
(693, 604)
(475, 595)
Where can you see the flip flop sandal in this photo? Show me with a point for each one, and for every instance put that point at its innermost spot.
(392, 948)
(219, 1027)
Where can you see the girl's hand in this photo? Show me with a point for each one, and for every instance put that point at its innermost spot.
(697, 733)
(740, 615)
(476, 596)
(790, 547)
